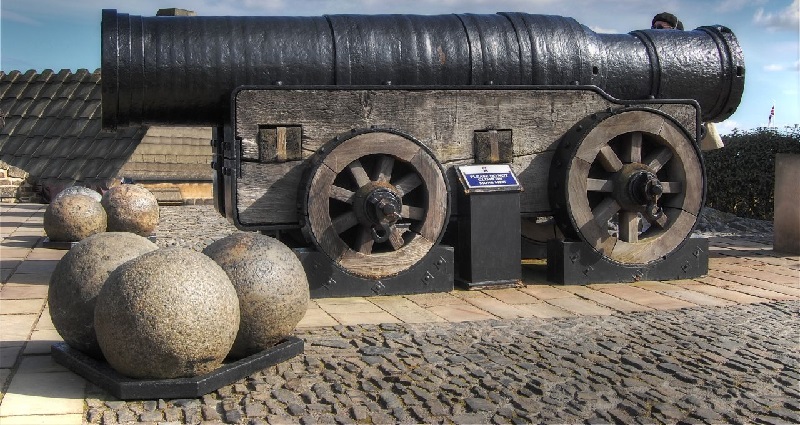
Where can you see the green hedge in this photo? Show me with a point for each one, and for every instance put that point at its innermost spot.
(741, 176)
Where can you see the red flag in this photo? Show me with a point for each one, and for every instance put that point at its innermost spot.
(771, 114)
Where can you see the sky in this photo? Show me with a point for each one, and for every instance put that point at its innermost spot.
(63, 34)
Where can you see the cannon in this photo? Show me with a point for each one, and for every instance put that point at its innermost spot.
(344, 133)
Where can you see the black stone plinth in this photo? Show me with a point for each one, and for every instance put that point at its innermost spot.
(577, 263)
(434, 273)
(489, 248)
(104, 376)
(47, 243)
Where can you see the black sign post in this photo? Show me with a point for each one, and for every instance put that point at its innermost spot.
(488, 252)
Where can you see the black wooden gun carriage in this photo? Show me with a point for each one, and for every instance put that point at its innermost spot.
(347, 129)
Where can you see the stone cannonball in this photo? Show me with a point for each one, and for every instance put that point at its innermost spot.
(131, 208)
(73, 217)
(78, 278)
(169, 313)
(82, 190)
(271, 284)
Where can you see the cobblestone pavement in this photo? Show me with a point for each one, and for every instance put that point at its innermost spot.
(196, 226)
(736, 364)
(648, 356)
(191, 226)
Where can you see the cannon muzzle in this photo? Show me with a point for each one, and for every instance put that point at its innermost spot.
(182, 70)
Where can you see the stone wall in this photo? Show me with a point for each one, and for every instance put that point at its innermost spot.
(15, 185)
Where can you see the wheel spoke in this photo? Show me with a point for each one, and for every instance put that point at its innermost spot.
(660, 221)
(414, 213)
(634, 151)
(604, 210)
(364, 241)
(396, 238)
(342, 194)
(407, 183)
(358, 172)
(629, 226)
(384, 169)
(672, 187)
(609, 159)
(599, 185)
(658, 159)
(344, 222)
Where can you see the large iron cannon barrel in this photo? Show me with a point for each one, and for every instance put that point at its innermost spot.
(182, 70)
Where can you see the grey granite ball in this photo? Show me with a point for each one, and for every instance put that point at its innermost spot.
(131, 208)
(78, 278)
(73, 217)
(169, 313)
(82, 190)
(271, 284)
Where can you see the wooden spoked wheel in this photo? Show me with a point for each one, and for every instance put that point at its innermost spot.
(637, 168)
(376, 203)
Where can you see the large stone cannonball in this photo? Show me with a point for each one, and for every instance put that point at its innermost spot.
(71, 218)
(78, 278)
(169, 313)
(82, 190)
(131, 208)
(271, 284)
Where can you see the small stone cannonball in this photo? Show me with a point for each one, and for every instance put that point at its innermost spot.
(82, 190)
(169, 313)
(78, 278)
(271, 284)
(73, 217)
(131, 208)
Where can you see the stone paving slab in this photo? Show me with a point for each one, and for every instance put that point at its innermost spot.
(726, 294)
(488, 303)
(23, 306)
(405, 310)
(606, 300)
(645, 297)
(581, 307)
(23, 291)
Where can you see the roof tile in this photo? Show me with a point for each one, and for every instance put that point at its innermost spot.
(20, 106)
(28, 147)
(53, 128)
(57, 107)
(73, 169)
(12, 144)
(51, 148)
(18, 161)
(53, 168)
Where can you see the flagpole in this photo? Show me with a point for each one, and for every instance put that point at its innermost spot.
(770, 119)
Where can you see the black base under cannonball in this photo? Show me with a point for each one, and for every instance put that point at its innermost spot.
(104, 376)
(47, 243)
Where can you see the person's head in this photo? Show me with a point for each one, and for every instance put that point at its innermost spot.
(666, 21)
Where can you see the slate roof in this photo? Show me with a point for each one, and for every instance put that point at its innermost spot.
(52, 130)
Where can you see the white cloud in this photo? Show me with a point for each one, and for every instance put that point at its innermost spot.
(778, 67)
(731, 6)
(787, 19)
(726, 126)
(10, 15)
(601, 30)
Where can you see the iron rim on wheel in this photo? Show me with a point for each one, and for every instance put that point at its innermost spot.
(376, 203)
(638, 168)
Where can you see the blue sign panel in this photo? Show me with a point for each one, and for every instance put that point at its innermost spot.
(490, 176)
